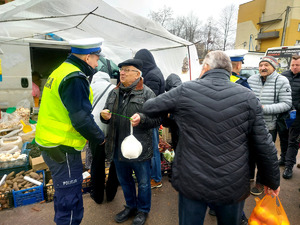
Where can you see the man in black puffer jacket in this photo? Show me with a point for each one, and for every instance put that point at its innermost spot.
(217, 121)
(288, 155)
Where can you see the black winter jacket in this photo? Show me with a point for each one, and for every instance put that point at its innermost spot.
(152, 75)
(295, 86)
(217, 121)
(119, 127)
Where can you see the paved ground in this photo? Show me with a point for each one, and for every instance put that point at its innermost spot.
(163, 212)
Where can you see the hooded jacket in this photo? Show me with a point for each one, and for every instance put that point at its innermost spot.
(152, 75)
(172, 81)
(217, 121)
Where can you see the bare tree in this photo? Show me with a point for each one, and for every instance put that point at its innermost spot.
(162, 16)
(191, 28)
(227, 25)
(208, 39)
(176, 26)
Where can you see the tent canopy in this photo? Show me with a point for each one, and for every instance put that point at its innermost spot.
(123, 32)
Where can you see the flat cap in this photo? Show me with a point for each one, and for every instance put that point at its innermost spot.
(137, 63)
(86, 46)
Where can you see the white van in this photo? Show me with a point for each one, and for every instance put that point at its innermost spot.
(19, 59)
(284, 55)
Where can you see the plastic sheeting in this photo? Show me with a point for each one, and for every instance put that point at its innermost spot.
(124, 32)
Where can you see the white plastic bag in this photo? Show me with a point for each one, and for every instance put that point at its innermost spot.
(16, 140)
(9, 149)
(131, 148)
(28, 137)
(11, 131)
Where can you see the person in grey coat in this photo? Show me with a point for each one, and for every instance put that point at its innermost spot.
(217, 121)
(274, 92)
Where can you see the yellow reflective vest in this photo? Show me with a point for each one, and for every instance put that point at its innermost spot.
(54, 126)
(234, 78)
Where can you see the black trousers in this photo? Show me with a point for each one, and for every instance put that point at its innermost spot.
(98, 176)
(284, 141)
(293, 146)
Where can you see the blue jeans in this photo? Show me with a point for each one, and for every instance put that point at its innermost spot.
(67, 180)
(142, 202)
(155, 160)
(193, 212)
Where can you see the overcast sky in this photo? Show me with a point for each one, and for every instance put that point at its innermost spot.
(201, 8)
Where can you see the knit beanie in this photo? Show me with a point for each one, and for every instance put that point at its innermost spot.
(271, 60)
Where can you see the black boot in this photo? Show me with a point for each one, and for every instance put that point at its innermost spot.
(125, 214)
(287, 173)
(140, 218)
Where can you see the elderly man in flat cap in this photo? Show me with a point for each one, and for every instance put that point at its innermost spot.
(125, 101)
(65, 124)
(274, 92)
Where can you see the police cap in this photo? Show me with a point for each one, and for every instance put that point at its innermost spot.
(236, 54)
(87, 46)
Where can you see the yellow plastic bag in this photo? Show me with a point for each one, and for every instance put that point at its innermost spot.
(268, 212)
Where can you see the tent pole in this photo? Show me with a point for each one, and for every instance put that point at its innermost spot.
(188, 47)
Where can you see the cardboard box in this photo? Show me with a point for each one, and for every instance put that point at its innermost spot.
(37, 163)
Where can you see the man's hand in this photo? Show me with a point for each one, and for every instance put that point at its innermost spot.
(272, 192)
(105, 114)
(135, 119)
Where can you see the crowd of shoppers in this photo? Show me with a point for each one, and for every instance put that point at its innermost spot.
(221, 125)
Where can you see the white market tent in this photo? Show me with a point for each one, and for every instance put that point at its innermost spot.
(124, 32)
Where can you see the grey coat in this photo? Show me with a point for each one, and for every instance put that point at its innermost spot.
(266, 93)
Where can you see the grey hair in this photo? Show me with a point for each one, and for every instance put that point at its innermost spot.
(218, 60)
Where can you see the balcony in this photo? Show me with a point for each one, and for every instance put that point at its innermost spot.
(274, 18)
(267, 35)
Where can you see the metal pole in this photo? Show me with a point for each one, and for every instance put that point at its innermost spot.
(285, 25)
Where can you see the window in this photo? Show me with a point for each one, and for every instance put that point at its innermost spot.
(297, 42)
(299, 27)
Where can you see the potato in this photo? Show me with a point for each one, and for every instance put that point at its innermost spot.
(24, 182)
(15, 187)
(20, 180)
(28, 172)
(10, 174)
(9, 182)
(20, 173)
(34, 175)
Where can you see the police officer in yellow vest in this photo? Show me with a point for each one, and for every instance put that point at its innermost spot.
(237, 59)
(64, 125)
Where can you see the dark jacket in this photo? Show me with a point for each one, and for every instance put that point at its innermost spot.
(295, 86)
(172, 81)
(217, 121)
(119, 127)
(74, 92)
(152, 75)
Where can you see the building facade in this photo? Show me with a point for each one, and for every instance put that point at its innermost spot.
(263, 24)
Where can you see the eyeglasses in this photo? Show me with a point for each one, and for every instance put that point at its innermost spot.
(126, 70)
